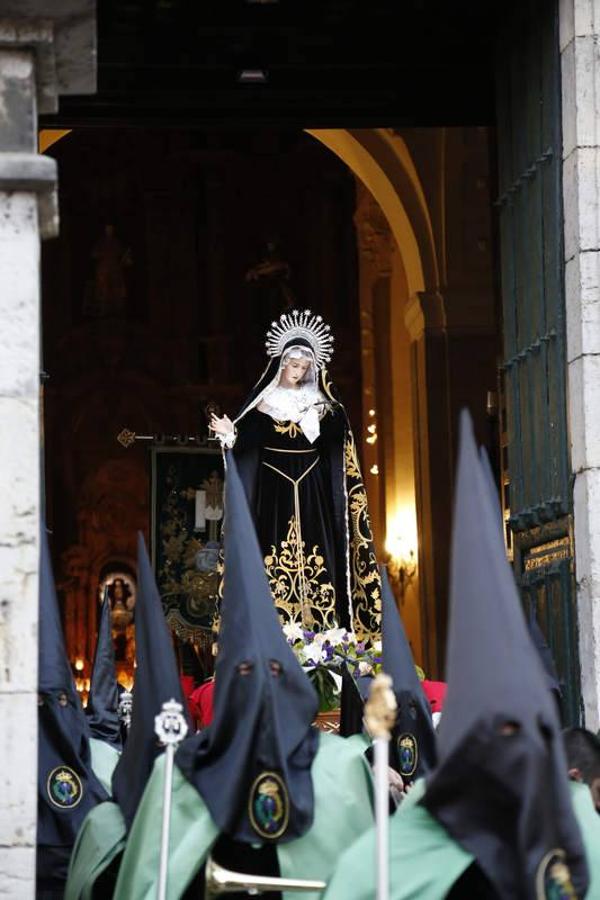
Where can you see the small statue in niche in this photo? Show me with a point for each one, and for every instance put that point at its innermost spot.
(106, 294)
(122, 601)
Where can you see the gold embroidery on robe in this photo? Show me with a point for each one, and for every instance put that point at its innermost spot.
(291, 429)
(300, 583)
(365, 583)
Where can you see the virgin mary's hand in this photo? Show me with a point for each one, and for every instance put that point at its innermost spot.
(222, 425)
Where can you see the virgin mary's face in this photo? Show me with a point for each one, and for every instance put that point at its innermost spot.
(293, 372)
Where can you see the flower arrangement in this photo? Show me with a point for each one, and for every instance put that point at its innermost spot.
(322, 655)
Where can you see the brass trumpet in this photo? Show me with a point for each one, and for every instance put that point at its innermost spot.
(221, 881)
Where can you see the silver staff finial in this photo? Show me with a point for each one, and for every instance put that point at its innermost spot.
(126, 708)
(170, 726)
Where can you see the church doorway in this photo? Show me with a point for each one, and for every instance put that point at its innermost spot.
(453, 303)
(177, 248)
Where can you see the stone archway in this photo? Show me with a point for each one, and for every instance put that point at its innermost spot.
(381, 160)
(403, 321)
(409, 470)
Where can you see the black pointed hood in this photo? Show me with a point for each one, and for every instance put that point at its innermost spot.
(67, 786)
(156, 681)
(413, 744)
(535, 631)
(500, 787)
(354, 694)
(252, 765)
(103, 700)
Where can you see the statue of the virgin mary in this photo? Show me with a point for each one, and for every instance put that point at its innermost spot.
(297, 459)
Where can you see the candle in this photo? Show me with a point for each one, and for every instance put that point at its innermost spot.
(200, 511)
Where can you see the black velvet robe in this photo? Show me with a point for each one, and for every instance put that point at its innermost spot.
(292, 498)
(327, 574)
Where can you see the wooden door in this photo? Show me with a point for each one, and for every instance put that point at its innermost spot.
(538, 500)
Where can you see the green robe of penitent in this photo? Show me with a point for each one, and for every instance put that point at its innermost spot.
(589, 824)
(104, 759)
(425, 862)
(102, 834)
(343, 810)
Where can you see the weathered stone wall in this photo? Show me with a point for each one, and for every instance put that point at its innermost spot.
(19, 465)
(579, 34)
(19, 529)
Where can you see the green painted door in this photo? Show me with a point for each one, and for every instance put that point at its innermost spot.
(538, 496)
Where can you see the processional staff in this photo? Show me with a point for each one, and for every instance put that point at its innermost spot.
(170, 728)
(380, 716)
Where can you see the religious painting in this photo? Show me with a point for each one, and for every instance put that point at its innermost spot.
(187, 517)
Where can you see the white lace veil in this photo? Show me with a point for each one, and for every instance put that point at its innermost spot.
(310, 379)
(297, 352)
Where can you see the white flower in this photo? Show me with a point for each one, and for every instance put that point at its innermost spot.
(365, 668)
(311, 653)
(293, 631)
(336, 635)
(320, 637)
(377, 646)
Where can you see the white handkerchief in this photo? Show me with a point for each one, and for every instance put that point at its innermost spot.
(309, 423)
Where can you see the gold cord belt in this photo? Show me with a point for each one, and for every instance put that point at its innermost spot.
(280, 450)
(296, 482)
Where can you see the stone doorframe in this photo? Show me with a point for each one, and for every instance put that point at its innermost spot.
(580, 74)
(46, 49)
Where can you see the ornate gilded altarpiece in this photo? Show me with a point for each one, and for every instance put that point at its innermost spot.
(187, 515)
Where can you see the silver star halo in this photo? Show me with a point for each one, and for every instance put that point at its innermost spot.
(301, 324)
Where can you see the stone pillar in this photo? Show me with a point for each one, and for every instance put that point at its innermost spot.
(579, 37)
(425, 319)
(30, 80)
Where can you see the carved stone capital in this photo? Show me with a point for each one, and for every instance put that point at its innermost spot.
(375, 240)
(33, 174)
(46, 49)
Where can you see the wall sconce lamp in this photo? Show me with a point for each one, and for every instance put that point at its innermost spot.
(402, 571)
(401, 563)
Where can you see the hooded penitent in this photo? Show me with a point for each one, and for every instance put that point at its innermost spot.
(500, 788)
(67, 786)
(252, 765)
(354, 694)
(156, 681)
(103, 701)
(412, 747)
(297, 460)
(535, 631)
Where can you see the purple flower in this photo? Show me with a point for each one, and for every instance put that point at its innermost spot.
(328, 651)
(309, 635)
(360, 647)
